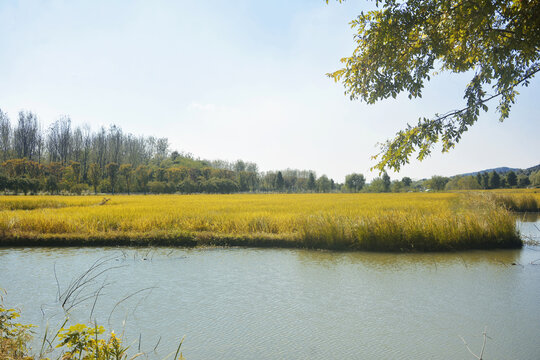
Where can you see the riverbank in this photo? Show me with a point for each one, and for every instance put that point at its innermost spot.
(376, 222)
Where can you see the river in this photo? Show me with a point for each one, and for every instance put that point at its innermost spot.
(237, 303)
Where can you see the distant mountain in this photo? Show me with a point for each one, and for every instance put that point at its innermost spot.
(504, 169)
(532, 169)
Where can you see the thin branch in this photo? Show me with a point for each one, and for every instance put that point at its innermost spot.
(483, 101)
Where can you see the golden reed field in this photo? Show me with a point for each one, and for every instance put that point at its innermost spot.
(382, 222)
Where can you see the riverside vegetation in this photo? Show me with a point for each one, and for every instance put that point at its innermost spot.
(76, 342)
(380, 222)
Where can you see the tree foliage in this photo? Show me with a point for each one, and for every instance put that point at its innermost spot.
(437, 183)
(401, 44)
(494, 180)
(355, 182)
(463, 183)
(511, 178)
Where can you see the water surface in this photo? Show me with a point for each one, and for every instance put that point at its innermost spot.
(234, 303)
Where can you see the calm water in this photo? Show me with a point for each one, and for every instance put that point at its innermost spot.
(236, 303)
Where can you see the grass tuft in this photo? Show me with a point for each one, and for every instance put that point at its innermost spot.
(516, 202)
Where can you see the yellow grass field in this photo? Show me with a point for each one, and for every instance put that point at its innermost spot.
(389, 222)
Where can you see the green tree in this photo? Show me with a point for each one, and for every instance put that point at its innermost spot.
(377, 185)
(68, 178)
(355, 182)
(485, 180)
(511, 179)
(397, 186)
(3, 182)
(142, 176)
(437, 183)
(112, 171)
(311, 182)
(94, 173)
(535, 178)
(402, 44)
(523, 181)
(406, 181)
(386, 182)
(494, 180)
(160, 174)
(76, 168)
(247, 180)
(323, 184)
(279, 181)
(188, 186)
(469, 183)
(463, 183)
(126, 170)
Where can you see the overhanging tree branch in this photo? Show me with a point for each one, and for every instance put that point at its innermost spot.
(399, 44)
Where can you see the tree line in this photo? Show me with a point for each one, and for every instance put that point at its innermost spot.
(491, 180)
(63, 158)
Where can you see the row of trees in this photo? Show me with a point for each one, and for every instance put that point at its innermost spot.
(62, 143)
(28, 176)
(491, 180)
(485, 180)
(70, 159)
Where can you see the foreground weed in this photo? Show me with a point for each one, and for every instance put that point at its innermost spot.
(14, 336)
(83, 343)
(76, 342)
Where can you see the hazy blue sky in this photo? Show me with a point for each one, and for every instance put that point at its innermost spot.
(233, 80)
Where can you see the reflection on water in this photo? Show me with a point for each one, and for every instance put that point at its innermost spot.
(388, 262)
(234, 303)
(529, 227)
(529, 217)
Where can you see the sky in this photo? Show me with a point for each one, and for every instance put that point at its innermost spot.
(243, 79)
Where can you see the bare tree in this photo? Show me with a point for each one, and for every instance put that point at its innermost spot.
(5, 135)
(64, 145)
(25, 135)
(135, 150)
(40, 143)
(99, 145)
(86, 149)
(114, 141)
(77, 144)
(52, 143)
(150, 146)
(59, 140)
(162, 148)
